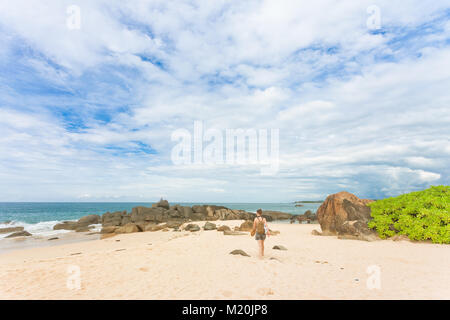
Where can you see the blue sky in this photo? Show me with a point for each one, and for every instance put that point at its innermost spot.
(87, 114)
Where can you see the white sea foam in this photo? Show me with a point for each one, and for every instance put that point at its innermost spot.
(44, 228)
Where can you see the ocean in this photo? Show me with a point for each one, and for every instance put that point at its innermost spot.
(38, 218)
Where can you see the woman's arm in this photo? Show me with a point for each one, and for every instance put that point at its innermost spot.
(267, 226)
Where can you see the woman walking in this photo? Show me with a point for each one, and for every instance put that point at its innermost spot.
(260, 230)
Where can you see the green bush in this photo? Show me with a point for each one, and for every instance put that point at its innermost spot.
(421, 215)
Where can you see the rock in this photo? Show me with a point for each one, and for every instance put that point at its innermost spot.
(209, 226)
(185, 211)
(246, 226)
(54, 238)
(276, 215)
(223, 228)
(90, 219)
(279, 247)
(83, 228)
(154, 227)
(12, 229)
(234, 233)
(400, 237)
(316, 233)
(174, 224)
(163, 204)
(19, 234)
(128, 228)
(344, 214)
(274, 232)
(192, 227)
(199, 209)
(239, 252)
(110, 229)
(66, 225)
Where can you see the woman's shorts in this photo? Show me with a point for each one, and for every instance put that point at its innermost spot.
(260, 236)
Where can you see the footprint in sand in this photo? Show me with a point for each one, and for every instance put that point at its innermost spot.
(144, 269)
(265, 291)
(227, 294)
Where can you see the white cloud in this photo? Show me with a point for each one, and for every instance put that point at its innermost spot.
(354, 108)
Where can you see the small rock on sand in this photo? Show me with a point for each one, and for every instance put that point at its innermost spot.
(279, 247)
(54, 238)
(209, 226)
(239, 251)
(192, 227)
(224, 228)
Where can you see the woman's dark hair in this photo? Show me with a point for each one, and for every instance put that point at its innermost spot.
(259, 211)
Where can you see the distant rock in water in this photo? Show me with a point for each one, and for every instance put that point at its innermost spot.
(12, 229)
(345, 215)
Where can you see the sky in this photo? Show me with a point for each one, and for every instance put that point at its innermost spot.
(91, 95)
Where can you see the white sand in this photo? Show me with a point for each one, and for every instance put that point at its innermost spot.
(185, 265)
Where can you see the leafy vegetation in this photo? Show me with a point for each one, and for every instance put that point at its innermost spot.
(421, 215)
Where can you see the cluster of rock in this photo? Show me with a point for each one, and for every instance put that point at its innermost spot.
(345, 215)
(307, 217)
(145, 218)
(163, 216)
(82, 225)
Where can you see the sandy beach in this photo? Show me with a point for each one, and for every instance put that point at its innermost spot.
(197, 265)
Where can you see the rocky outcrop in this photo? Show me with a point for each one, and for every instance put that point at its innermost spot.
(81, 225)
(246, 226)
(128, 228)
(307, 217)
(12, 229)
(276, 215)
(88, 220)
(66, 225)
(345, 215)
(147, 218)
(19, 234)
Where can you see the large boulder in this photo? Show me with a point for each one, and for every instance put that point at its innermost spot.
(344, 214)
(128, 228)
(113, 219)
(66, 225)
(246, 225)
(88, 220)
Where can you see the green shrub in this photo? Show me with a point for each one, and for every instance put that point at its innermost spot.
(421, 215)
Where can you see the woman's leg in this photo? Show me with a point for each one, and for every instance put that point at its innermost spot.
(261, 248)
